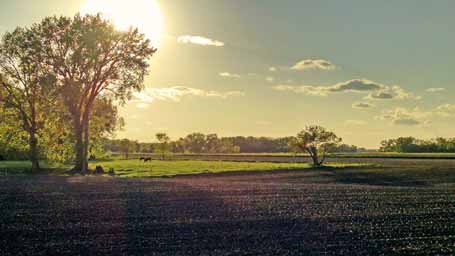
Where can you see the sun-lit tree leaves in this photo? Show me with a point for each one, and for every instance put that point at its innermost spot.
(27, 87)
(317, 142)
(90, 59)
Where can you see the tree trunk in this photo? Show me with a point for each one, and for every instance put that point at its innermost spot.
(314, 157)
(33, 143)
(78, 148)
(85, 125)
(315, 161)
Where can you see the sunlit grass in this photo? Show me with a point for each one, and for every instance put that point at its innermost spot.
(136, 168)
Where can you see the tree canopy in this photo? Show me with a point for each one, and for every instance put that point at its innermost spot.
(317, 142)
(90, 60)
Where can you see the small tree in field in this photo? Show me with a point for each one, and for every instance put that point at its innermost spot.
(317, 142)
(163, 147)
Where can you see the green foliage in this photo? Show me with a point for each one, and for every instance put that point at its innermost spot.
(195, 142)
(163, 145)
(25, 85)
(413, 145)
(13, 139)
(93, 63)
(317, 142)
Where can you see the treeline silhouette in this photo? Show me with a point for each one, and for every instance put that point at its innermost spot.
(414, 145)
(212, 144)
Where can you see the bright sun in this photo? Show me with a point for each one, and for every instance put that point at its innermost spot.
(143, 14)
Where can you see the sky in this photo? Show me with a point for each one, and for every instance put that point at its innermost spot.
(367, 70)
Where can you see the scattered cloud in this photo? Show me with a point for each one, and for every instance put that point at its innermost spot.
(376, 90)
(314, 64)
(435, 89)
(230, 75)
(272, 69)
(446, 107)
(392, 92)
(362, 105)
(403, 116)
(270, 79)
(445, 110)
(177, 92)
(200, 40)
(355, 123)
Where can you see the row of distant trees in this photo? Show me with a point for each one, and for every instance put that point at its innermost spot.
(192, 143)
(198, 143)
(414, 145)
(60, 82)
(211, 144)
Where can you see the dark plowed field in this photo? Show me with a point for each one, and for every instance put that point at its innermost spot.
(288, 213)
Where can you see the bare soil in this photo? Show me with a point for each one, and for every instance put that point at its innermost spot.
(275, 213)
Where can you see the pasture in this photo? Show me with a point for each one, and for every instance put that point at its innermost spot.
(156, 168)
(371, 207)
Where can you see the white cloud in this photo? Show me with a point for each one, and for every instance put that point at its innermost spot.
(446, 107)
(445, 110)
(314, 64)
(200, 40)
(272, 69)
(270, 79)
(403, 116)
(392, 92)
(376, 90)
(230, 75)
(362, 105)
(175, 93)
(436, 89)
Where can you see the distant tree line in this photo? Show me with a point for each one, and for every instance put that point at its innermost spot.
(199, 143)
(414, 145)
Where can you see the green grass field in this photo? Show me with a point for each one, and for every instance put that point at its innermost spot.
(333, 155)
(136, 168)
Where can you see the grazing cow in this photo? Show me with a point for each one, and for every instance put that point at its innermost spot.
(147, 159)
(141, 158)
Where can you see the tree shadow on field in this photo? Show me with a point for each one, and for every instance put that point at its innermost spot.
(375, 176)
(378, 178)
(406, 176)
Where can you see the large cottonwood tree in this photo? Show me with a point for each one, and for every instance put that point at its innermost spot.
(91, 59)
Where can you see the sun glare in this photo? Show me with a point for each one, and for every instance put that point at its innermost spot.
(143, 14)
